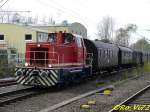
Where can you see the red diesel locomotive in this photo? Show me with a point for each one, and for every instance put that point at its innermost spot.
(63, 58)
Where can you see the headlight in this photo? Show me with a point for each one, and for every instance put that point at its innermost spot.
(39, 45)
(49, 65)
(26, 64)
(19, 72)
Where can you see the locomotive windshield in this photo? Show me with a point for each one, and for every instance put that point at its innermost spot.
(68, 38)
(52, 37)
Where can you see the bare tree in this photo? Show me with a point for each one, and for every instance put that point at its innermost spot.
(16, 18)
(44, 20)
(123, 34)
(36, 20)
(2, 15)
(51, 21)
(2, 18)
(30, 20)
(106, 28)
(8, 14)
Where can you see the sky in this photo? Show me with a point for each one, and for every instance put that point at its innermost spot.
(88, 12)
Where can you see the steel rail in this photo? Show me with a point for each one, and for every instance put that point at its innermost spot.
(66, 102)
(7, 82)
(12, 96)
(132, 98)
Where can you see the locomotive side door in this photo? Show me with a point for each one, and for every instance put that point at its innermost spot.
(80, 50)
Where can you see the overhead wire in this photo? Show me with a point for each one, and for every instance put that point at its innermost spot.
(15, 11)
(4, 3)
(1, 1)
(63, 10)
(72, 11)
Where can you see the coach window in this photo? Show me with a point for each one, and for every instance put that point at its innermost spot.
(106, 52)
(1, 37)
(28, 37)
(100, 53)
(103, 52)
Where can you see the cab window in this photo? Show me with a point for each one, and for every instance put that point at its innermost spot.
(68, 38)
(79, 43)
(52, 37)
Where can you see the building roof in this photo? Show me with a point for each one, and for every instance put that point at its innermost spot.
(27, 27)
(50, 25)
(39, 30)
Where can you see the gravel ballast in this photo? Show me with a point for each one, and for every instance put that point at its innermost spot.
(104, 103)
(46, 100)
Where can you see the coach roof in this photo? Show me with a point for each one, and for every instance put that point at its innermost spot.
(100, 44)
(125, 49)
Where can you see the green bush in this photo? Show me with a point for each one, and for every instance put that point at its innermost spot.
(6, 70)
(146, 67)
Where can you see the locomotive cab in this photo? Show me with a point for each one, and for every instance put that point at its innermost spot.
(61, 49)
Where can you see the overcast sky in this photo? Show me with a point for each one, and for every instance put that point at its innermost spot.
(88, 12)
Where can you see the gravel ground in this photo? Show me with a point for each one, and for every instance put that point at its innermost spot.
(104, 103)
(11, 88)
(6, 79)
(53, 97)
(144, 98)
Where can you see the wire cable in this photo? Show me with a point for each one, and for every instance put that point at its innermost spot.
(4, 3)
(1, 1)
(64, 10)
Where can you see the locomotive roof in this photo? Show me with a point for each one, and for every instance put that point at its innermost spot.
(76, 35)
(125, 49)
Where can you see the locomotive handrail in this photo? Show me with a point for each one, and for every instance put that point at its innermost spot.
(89, 59)
(45, 58)
(55, 60)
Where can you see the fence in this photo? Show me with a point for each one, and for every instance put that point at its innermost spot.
(6, 67)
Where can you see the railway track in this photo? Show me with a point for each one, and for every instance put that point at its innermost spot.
(7, 82)
(16, 95)
(140, 101)
(13, 96)
(67, 102)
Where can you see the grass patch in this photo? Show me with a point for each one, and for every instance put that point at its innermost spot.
(6, 70)
(146, 67)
